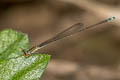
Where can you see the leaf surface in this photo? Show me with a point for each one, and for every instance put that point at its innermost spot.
(13, 65)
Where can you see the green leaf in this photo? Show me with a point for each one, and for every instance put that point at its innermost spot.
(11, 43)
(13, 65)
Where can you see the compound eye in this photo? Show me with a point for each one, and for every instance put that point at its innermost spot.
(25, 52)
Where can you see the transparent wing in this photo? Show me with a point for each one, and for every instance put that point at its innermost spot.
(67, 32)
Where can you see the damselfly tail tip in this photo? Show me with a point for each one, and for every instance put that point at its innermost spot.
(111, 18)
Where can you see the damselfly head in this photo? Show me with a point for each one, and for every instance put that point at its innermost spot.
(25, 52)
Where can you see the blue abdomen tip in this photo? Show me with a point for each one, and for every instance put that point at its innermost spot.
(112, 18)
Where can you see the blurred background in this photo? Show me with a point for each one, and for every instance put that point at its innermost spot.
(90, 55)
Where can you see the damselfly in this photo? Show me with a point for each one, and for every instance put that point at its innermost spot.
(67, 32)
